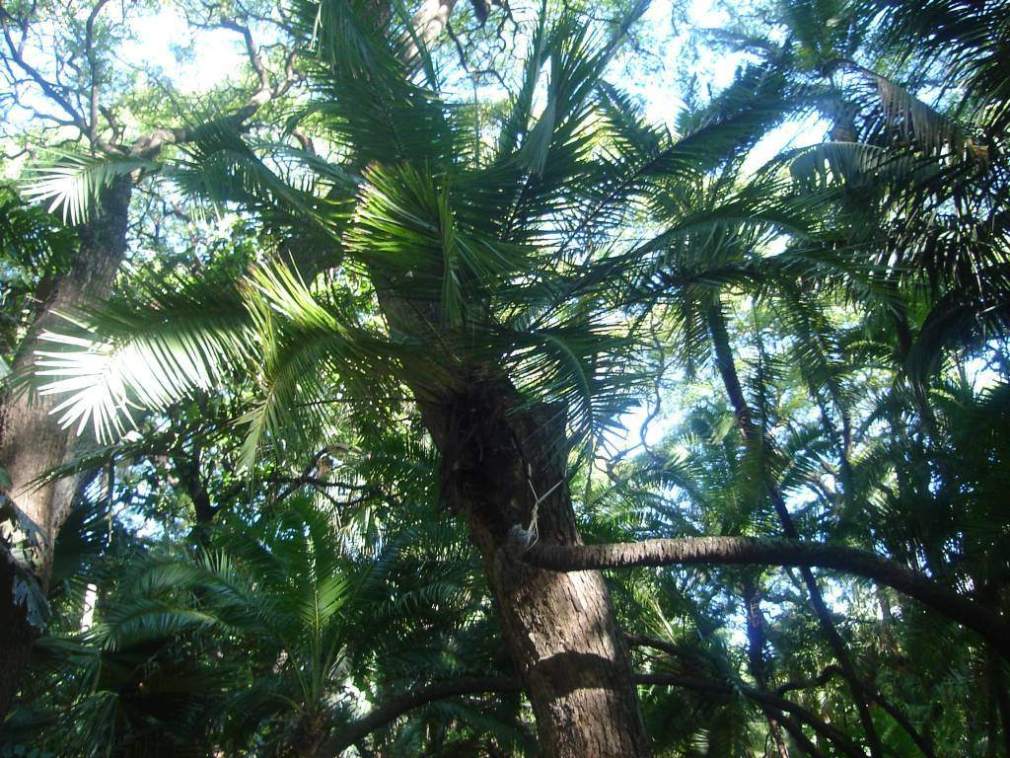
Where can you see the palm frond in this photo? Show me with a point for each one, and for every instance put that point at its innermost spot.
(73, 183)
(144, 352)
(584, 367)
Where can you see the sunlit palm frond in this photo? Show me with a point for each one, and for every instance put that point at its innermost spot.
(73, 183)
(144, 352)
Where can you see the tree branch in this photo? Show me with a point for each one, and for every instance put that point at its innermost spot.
(390, 711)
(385, 714)
(761, 698)
(819, 681)
(921, 740)
(89, 51)
(755, 436)
(150, 144)
(263, 93)
(50, 89)
(638, 640)
(776, 552)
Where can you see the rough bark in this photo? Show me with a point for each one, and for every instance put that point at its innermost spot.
(755, 436)
(31, 438)
(504, 467)
(744, 551)
(504, 461)
(499, 458)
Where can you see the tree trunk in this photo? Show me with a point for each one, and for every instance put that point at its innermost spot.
(499, 457)
(504, 466)
(756, 659)
(31, 439)
(16, 637)
(755, 436)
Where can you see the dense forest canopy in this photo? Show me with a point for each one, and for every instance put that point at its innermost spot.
(494, 378)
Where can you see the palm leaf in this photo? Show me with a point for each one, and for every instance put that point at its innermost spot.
(73, 183)
(145, 351)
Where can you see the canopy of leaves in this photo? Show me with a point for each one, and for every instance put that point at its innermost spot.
(734, 338)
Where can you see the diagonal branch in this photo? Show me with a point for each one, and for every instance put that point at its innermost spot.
(388, 712)
(150, 144)
(670, 648)
(767, 699)
(255, 58)
(754, 435)
(921, 740)
(49, 88)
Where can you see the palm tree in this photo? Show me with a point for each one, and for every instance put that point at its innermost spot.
(484, 269)
(916, 99)
(491, 258)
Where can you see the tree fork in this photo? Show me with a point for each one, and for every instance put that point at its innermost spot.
(503, 462)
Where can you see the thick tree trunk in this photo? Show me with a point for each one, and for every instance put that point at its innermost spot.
(504, 466)
(503, 463)
(31, 439)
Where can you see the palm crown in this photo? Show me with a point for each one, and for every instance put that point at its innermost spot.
(500, 255)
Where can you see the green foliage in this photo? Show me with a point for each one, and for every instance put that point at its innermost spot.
(73, 183)
(822, 331)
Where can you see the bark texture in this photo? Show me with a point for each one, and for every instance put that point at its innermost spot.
(503, 465)
(503, 469)
(31, 438)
